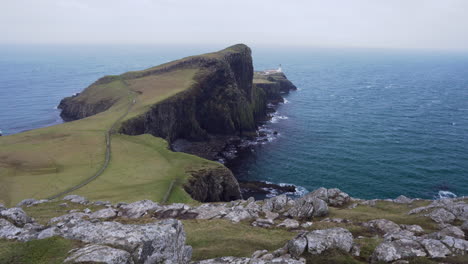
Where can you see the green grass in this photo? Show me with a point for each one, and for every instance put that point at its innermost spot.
(218, 238)
(43, 162)
(46, 251)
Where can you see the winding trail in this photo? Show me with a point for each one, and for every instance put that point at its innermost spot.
(109, 133)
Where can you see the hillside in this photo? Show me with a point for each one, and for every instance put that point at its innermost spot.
(139, 113)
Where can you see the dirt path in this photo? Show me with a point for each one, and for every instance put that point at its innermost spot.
(109, 133)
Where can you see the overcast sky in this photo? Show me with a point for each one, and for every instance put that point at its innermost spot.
(429, 24)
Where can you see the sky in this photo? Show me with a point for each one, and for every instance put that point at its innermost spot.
(410, 24)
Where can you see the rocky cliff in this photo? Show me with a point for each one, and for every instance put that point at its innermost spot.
(223, 100)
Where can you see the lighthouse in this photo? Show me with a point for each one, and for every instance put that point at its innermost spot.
(279, 69)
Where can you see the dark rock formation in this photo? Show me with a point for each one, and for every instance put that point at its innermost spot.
(213, 185)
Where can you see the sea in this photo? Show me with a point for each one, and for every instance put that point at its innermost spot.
(376, 123)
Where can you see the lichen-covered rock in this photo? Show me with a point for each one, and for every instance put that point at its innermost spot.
(389, 251)
(26, 202)
(49, 232)
(235, 260)
(105, 213)
(307, 207)
(297, 246)
(263, 222)
(276, 204)
(319, 241)
(8, 230)
(383, 226)
(238, 215)
(403, 200)
(333, 197)
(159, 242)
(76, 199)
(441, 215)
(137, 209)
(99, 254)
(449, 230)
(435, 248)
(416, 229)
(67, 217)
(17, 216)
(464, 227)
(456, 245)
(289, 223)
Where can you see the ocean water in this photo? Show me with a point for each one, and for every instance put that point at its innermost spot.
(374, 123)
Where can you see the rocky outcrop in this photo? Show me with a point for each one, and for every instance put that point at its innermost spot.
(213, 185)
(74, 107)
(100, 254)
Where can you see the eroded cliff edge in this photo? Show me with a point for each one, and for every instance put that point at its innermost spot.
(225, 99)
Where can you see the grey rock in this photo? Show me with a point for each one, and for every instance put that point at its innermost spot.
(238, 215)
(30, 232)
(8, 230)
(403, 200)
(356, 250)
(440, 215)
(99, 254)
(337, 197)
(102, 203)
(435, 248)
(306, 224)
(259, 253)
(464, 227)
(413, 228)
(276, 204)
(17, 216)
(399, 234)
(159, 242)
(49, 232)
(26, 202)
(302, 209)
(297, 246)
(263, 222)
(334, 238)
(87, 211)
(456, 245)
(137, 209)
(398, 249)
(271, 215)
(320, 193)
(66, 218)
(289, 223)
(210, 211)
(105, 213)
(235, 260)
(2, 207)
(75, 199)
(383, 225)
(449, 230)
(320, 207)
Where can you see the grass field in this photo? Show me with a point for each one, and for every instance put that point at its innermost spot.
(43, 162)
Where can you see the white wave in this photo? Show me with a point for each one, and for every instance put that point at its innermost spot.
(445, 194)
(55, 107)
(276, 117)
(300, 191)
(285, 101)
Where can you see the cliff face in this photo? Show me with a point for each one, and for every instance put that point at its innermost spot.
(222, 101)
(213, 185)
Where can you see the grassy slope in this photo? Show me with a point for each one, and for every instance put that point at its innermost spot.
(43, 162)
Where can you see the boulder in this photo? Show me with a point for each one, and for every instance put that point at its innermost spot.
(75, 199)
(276, 204)
(413, 228)
(17, 216)
(238, 215)
(289, 223)
(210, 211)
(264, 260)
(105, 213)
(297, 245)
(271, 215)
(383, 226)
(334, 238)
(49, 232)
(440, 215)
(26, 202)
(464, 227)
(307, 207)
(99, 254)
(389, 251)
(8, 230)
(159, 242)
(449, 230)
(177, 210)
(306, 224)
(137, 209)
(456, 245)
(337, 197)
(403, 200)
(66, 218)
(435, 248)
(263, 222)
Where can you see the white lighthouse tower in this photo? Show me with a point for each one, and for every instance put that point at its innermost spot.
(279, 69)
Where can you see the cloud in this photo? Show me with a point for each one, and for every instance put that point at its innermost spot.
(359, 23)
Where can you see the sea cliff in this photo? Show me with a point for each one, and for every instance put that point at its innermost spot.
(226, 99)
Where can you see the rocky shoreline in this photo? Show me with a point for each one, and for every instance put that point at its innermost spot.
(109, 236)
